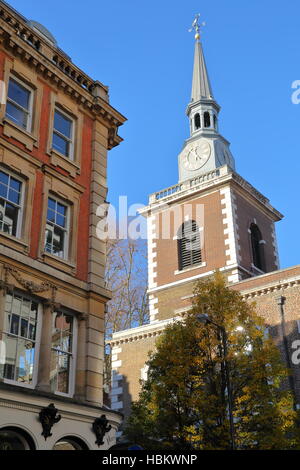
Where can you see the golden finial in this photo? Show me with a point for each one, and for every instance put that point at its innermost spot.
(196, 26)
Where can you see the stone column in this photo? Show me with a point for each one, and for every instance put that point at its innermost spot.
(2, 307)
(2, 319)
(202, 118)
(81, 366)
(95, 352)
(45, 349)
(211, 115)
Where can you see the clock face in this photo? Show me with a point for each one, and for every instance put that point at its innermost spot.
(196, 155)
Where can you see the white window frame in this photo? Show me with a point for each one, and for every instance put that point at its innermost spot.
(28, 127)
(73, 355)
(70, 139)
(66, 229)
(21, 205)
(37, 345)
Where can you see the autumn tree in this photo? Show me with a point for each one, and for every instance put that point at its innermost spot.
(126, 278)
(184, 402)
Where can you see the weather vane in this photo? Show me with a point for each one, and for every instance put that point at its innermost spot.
(196, 26)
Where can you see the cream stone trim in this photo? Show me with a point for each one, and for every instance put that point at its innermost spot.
(116, 387)
(234, 277)
(193, 278)
(200, 265)
(61, 102)
(223, 176)
(15, 69)
(34, 403)
(153, 309)
(60, 190)
(272, 287)
(231, 231)
(144, 372)
(47, 61)
(64, 179)
(141, 332)
(152, 255)
(25, 172)
(275, 245)
(98, 194)
(183, 310)
(7, 146)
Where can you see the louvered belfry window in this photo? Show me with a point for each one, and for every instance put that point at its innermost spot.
(257, 247)
(189, 250)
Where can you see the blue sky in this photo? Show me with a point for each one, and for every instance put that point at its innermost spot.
(144, 53)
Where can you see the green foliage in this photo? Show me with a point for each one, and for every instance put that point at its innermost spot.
(184, 402)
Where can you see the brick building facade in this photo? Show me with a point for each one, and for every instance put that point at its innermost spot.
(56, 127)
(229, 226)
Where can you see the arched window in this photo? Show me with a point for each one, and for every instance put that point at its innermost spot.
(257, 247)
(70, 443)
(189, 249)
(215, 122)
(206, 119)
(197, 121)
(12, 438)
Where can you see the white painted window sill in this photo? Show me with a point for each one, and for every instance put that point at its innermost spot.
(61, 394)
(197, 266)
(19, 384)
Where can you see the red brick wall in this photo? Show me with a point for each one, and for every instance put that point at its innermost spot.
(246, 213)
(213, 252)
(84, 178)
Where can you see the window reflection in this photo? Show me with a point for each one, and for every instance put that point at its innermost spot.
(61, 353)
(10, 203)
(19, 336)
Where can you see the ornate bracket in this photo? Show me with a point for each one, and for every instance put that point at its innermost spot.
(48, 418)
(100, 428)
(83, 317)
(30, 286)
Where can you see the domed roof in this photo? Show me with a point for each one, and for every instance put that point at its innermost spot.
(44, 31)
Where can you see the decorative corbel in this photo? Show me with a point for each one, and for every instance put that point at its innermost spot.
(4, 284)
(31, 286)
(48, 417)
(54, 306)
(83, 317)
(100, 428)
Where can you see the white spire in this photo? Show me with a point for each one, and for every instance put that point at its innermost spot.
(201, 87)
(206, 149)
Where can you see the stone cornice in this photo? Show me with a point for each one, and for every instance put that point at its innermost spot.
(156, 329)
(50, 171)
(140, 332)
(22, 41)
(31, 400)
(271, 287)
(209, 181)
(40, 272)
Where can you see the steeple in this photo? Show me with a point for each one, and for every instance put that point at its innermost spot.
(202, 110)
(205, 149)
(201, 87)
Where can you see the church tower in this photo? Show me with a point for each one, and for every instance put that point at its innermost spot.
(210, 219)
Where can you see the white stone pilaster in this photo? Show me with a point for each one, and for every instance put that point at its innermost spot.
(232, 246)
